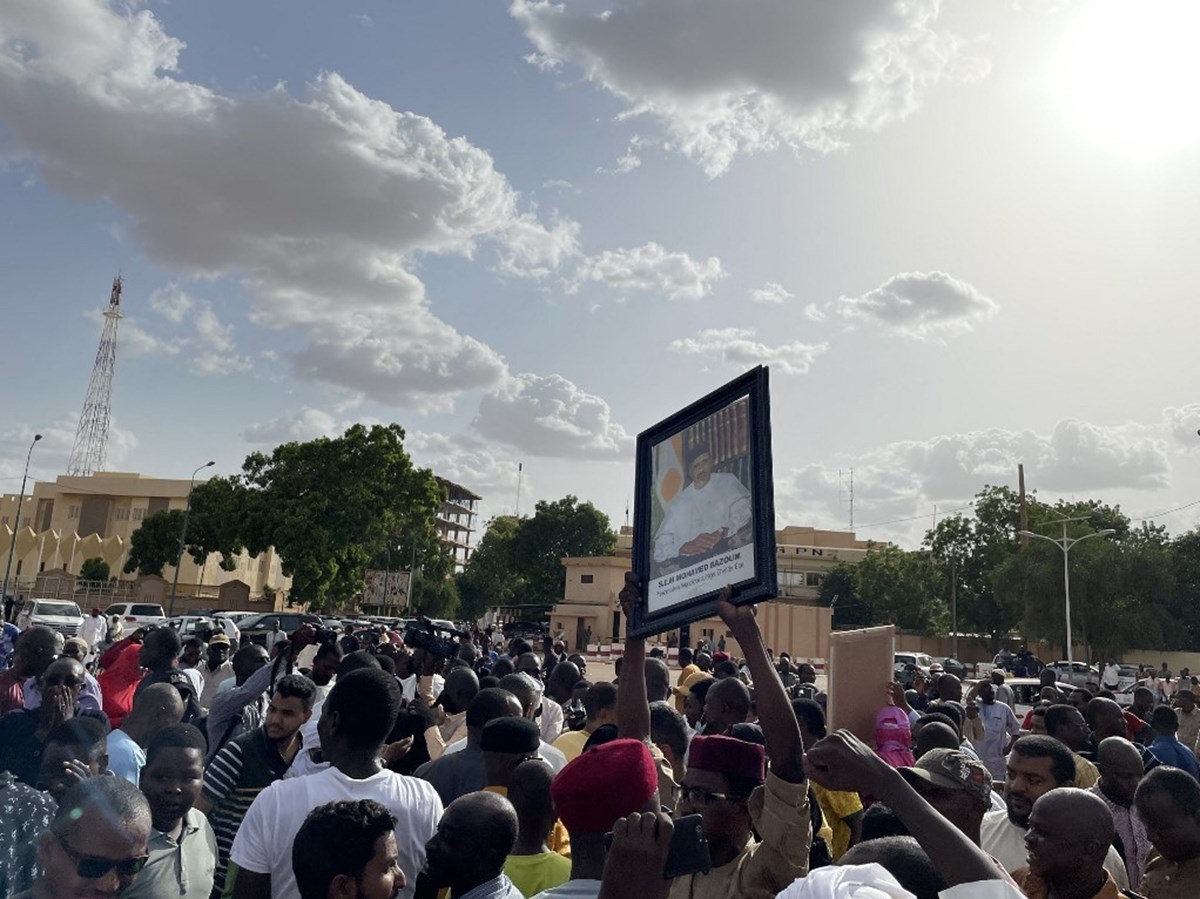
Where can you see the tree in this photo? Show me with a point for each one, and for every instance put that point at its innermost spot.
(434, 597)
(557, 530)
(95, 569)
(889, 586)
(155, 544)
(490, 577)
(331, 507)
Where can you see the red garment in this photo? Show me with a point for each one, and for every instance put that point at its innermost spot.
(119, 680)
(114, 652)
(12, 693)
(1133, 725)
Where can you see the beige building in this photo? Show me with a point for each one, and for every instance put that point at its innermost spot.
(456, 519)
(794, 622)
(77, 518)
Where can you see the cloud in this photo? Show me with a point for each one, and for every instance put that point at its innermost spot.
(171, 302)
(726, 79)
(771, 292)
(487, 469)
(813, 313)
(908, 477)
(52, 454)
(323, 203)
(305, 424)
(737, 347)
(1183, 422)
(551, 416)
(920, 305)
(650, 267)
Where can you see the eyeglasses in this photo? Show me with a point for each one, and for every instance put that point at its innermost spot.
(699, 797)
(91, 867)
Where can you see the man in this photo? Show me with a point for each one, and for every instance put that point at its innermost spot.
(549, 714)
(1000, 727)
(159, 705)
(528, 691)
(35, 649)
(467, 852)
(251, 762)
(702, 666)
(215, 669)
(1110, 677)
(1079, 698)
(24, 813)
(532, 865)
(1004, 692)
(1107, 719)
(1168, 801)
(158, 655)
(1166, 746)
(669, 733)
(97, 844)
(94, 630)
(23, 733)
(955, 784)
(275, 636)
(74, 751)
(1143, 703)
(1036, 765)
(356, 720)
(240, 709)
(562, 680)
(590, 794)
(931, 734)
(687, 668)
(712, 512)
(462, 685)
(842, 810)
(190, 657)
(347, 848)
(183, 849)
(1070, 836)
(727, 704)
(1065, 724)
(506, 744)
(1121, 771)
(455, 774)
(600, 704)
(1189, 718)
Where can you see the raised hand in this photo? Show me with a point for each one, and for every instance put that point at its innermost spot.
(841, 761)
(634, 864)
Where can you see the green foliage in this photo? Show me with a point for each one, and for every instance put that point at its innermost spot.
(889, 586)
(435, 597)
(519, 562)
(95, 569)
(331, 507)
(155, 544)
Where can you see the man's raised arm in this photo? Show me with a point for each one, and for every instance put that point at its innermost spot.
(633, 706)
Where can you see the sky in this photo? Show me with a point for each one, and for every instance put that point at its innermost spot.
(961, 236)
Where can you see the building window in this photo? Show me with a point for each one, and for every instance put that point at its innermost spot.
(72, 512)
(138, 513)
(814, 579)
(585, 578)
(122, 514)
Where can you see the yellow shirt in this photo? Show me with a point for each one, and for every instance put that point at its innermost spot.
(836, 806)
(571, 743)
(1086, 774)
(533, 873)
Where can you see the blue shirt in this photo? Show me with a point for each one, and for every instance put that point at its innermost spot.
(125, 756)
(1170, 751)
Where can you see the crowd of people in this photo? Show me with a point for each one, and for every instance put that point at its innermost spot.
(367, 767)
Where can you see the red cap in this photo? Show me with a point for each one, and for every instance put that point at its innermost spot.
(728, 755)
(719, 657)
(603, 784)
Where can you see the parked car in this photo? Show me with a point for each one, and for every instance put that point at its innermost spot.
(951, 665)
(1080, 674)
(60, 614)
(137, 614)
(256, 627)
(187, 625)
(1026, 692)
(908, 664)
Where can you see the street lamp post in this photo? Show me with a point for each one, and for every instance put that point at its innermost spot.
(12, 547)
(1066, 544)
(187, 512)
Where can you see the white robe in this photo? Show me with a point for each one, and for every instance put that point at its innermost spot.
(722, 503)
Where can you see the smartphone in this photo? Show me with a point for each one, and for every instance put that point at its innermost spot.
(688, 852)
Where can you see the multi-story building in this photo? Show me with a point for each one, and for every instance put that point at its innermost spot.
(72, 519)
(456, 519)
(590, 612)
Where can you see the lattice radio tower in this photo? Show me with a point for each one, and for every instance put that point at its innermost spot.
(91, 439)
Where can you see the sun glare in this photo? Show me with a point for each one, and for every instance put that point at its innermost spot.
(1128, 74)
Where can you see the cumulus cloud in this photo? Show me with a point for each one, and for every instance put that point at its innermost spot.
(52, 454)
(920, 305)
(726, 78)
(487, 469)
(813, 313)
(908, 477)
(322, 203)
(551, 416)
(771, 292)
(651, 268)
(1183, 423)
(738, 348)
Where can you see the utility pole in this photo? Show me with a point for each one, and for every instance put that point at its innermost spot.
(954, 608)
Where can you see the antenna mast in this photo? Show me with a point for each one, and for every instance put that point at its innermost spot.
(846, 491)
(91, 439)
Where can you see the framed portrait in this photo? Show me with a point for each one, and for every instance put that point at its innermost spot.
(704, 510)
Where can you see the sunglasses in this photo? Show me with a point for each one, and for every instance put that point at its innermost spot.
(91, 867)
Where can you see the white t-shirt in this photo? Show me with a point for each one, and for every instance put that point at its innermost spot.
(551, 756)
(572, 889)
(264, 841)
(1004, 841)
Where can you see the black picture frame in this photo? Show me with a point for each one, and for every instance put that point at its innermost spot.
(732, 425)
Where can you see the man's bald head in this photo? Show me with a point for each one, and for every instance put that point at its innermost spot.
(473, 838)
(35, 649)
(1070, 831)
(156, 706)
(658, 680)
(949, 687)
(727, 704)
(563, 678)
(462, 685)
(1121, 769)
(935, 735)
(527, 690)
(63, 669)
(1105, 718)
